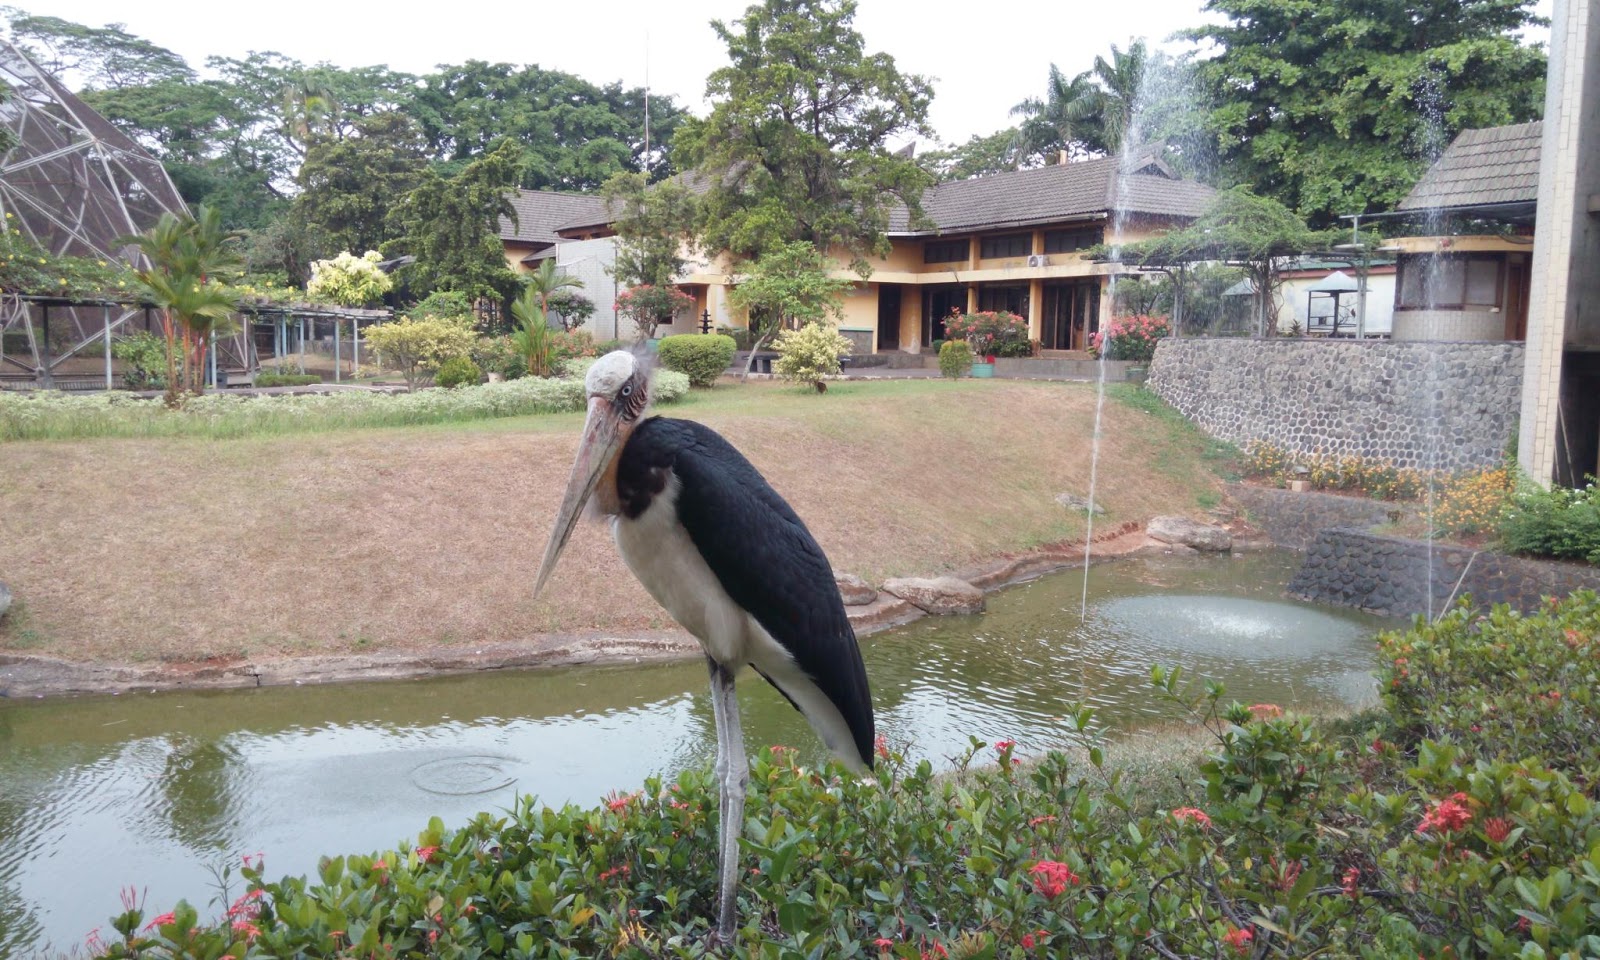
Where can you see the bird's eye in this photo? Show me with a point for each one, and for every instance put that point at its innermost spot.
(627, 389)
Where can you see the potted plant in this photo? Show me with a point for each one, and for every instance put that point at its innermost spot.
(990, 333)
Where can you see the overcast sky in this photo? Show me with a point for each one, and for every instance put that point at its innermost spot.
(983, 56)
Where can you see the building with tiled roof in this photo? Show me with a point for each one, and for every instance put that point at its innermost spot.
(1468, 278)
(1011, 241)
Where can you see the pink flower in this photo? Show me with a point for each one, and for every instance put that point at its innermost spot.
(1192, 815)
(246, 905)
(1447, 816)
(1351, 883)
(1497, 829)
(248, 929)
(1048, 818)
(1003, 745)
(883, 943)
(425, 854)
(1266, 711)
(161, 921)
(1052, 878)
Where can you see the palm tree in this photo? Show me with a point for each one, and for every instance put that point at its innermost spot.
(1063, 120)
(532, 339)
(185, 257)
(1115, 98)
(545, 281)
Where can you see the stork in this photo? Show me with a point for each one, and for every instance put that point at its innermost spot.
(717, 547)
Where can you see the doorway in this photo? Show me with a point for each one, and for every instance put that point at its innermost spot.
(1071, 315)
(938, 302)
(888, 317)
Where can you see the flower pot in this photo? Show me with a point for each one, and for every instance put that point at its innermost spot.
(1136, 374)
(982, 370)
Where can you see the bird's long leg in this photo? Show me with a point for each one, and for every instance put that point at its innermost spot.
(734, 773)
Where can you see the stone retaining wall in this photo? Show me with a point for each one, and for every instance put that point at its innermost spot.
(1389, 576)
(1295, 519)
(1450, 406)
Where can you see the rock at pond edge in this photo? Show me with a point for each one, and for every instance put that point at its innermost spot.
(937, 595)
(855, 591)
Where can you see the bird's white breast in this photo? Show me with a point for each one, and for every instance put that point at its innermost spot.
(660, 553)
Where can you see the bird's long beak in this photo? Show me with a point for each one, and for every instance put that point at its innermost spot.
(602, 435)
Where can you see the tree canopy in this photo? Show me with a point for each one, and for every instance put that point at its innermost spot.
(797, 145)
(1337, 106)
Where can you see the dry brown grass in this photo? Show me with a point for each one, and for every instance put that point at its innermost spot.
(411, 538)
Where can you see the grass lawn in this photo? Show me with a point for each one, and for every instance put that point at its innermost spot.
(184, 549)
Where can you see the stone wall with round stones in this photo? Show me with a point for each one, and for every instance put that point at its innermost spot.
(1390, 576)
(1448, 406)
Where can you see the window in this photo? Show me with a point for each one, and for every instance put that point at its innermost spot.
(944, 251)
(1067, 241)
(1450, 283)
(1010, 245)
(1011, 297)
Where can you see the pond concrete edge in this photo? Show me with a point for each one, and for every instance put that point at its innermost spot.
(36, 677)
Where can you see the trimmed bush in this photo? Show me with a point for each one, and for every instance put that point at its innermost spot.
(457, 372)
(286, 379)
(955, 359)
(810, 354)
(1557, 523)
(702, 357)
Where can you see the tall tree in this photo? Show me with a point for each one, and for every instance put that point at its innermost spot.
(978, 157)
(789, 287)
(654, 225)
(797, 143)
(451, 225)
(1337, 106)
(101, 58)
(349, 184)
(1063, 119)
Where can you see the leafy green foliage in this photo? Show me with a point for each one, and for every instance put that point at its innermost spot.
(349, 280)
(1557, 522)
(796, 145)
(955, 359)
(443, 305)
(268, 379)
(26, 267)
(980, 156)
(533, 340)
(655, 226)
(55, 415)
(1459, 820)
(145, 356)
(811, 354)
(571, 308)
(456, 372)
(349, 185)
(190, 259)
(701, 357)
(451, 225)
(1337, 106)
(789, 287)
(418, 346)
(991, 333)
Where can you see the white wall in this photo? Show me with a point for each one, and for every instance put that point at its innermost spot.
(591, 262)
(1294, 296)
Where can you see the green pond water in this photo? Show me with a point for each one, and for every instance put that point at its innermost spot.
(156, 791)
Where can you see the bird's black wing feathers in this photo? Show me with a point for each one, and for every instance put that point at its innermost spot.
(767, 560)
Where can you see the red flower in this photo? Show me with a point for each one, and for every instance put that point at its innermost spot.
(1003, 745)
(1497, 829)
(881, 746)
(250, 930)
(1192, 815)
(1351, 884)
(1049, 818)
(1266, 711)
(883, 943)
(1239, 939)
(1027, 941)
(1051, 878)
(1447, 816)
(160, 921)
(246, 906)
(425, 854)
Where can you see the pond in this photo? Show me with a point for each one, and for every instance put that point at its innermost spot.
(158, 791)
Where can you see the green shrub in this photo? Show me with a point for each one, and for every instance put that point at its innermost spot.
(146, 356)
(810, 354)
(741, 336)
(444, 304)
(607, 346)
(699, 356)
(1559, 523)
(955, 359)
(457, 372)
(266, 379)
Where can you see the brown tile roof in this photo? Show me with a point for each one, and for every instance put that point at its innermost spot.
(541, 212)
(1492, 165)
(1056, 193)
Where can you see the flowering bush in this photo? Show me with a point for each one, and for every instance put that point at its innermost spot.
(1475, 501)
(349, 280)
(1131, 337)
(1362, 476)
(26, 267)
(811, 353)
(649, 306)
(991, 333)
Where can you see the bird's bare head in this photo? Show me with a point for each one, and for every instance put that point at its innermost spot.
(618, 390)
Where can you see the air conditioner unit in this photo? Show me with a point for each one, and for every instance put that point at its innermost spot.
(1038, 260)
